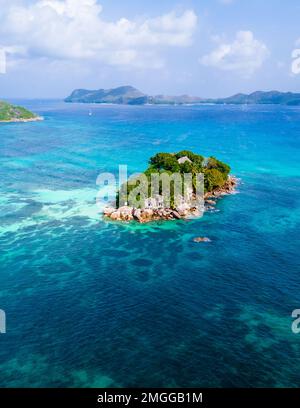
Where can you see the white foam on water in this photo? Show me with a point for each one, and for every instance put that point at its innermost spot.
(59, 196)
(63, 204)
(57, 205)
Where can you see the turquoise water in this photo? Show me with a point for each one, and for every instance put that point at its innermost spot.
(93, 303)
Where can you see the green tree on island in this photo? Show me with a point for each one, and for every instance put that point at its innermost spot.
(11, 113)
(215, 171)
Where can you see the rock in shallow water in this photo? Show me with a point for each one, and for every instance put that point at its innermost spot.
(210, 202)
(201, 239)
(108, 211)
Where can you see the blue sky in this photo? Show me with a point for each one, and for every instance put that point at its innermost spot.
(206, 48)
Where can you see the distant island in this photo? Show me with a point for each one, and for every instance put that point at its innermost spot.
(13, 113)
(128, 95)
(217, 182)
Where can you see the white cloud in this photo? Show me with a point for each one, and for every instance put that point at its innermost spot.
(75, 29)
(244, 55)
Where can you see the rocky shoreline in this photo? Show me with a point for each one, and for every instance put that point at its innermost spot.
(127, 213)
(16, 120)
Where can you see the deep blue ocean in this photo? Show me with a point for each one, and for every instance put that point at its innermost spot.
(92, 303)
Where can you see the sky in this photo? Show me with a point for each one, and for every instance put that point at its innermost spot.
(207, 48)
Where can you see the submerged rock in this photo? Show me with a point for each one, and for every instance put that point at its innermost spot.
(201, 239)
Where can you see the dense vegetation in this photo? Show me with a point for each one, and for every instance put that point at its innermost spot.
(12, 112)
(215, 171)
(127, 95)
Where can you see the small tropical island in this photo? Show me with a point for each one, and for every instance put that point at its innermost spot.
(12, 113)
(216, 182)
